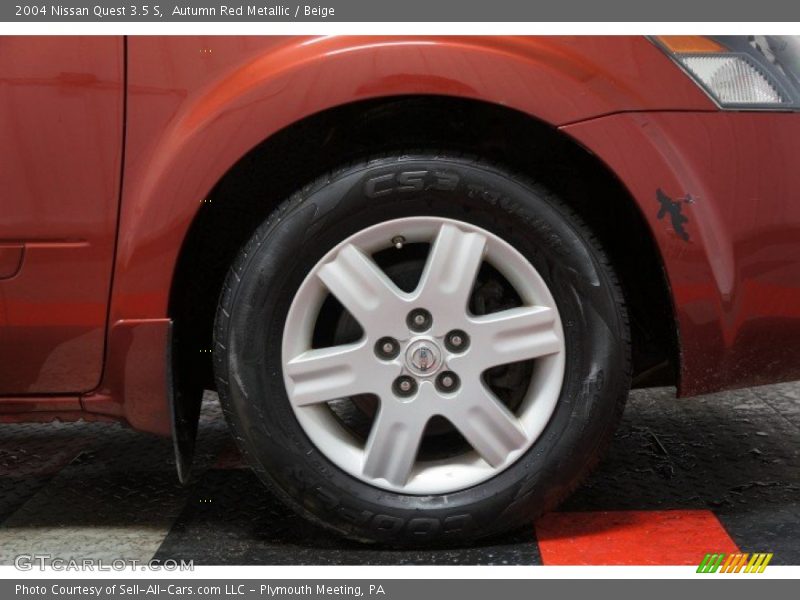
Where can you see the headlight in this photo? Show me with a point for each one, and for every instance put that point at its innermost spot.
(741, 72)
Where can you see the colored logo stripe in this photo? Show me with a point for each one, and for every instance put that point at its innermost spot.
(758, 563)
(734, 563)
(710, 563)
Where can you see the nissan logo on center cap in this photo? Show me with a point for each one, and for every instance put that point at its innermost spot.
(423, 357)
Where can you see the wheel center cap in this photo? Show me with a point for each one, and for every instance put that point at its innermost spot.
(423, 357)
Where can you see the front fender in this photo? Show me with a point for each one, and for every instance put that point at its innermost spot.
(719, 192)
(197, 105)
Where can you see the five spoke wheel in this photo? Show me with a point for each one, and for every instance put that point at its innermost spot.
(424, 354)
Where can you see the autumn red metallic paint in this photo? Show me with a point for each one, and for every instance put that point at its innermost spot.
(109, 146)
(60, 163)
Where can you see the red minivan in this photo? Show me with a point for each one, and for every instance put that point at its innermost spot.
(422, 273)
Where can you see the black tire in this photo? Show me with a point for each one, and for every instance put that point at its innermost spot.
(261, 285)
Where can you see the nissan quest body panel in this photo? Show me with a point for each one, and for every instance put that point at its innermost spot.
(61, 127)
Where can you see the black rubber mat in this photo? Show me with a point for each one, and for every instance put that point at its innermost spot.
(102, 490)
(231, 519)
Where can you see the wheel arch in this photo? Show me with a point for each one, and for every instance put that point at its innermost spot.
(220, 117)
(251, 189)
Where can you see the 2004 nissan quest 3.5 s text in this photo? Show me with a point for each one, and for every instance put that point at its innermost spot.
(421, 273)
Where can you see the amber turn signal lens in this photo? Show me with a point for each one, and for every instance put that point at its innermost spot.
(690, 44)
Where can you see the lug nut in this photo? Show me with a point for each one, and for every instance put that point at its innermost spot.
(387, 348)
(419, 319)
(447, 381)
(405, 386)
(456, 341)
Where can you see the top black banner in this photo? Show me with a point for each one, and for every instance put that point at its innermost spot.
(463, 11)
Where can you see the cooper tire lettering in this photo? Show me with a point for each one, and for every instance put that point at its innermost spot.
(374, 188)
(411, 181)
(405, 182)
(387, 523)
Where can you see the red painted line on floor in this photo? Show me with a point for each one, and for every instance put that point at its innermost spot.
(669, 537)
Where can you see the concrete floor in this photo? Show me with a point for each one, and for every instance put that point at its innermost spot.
(103, 491)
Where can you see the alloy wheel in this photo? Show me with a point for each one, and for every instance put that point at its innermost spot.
(424, 354)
